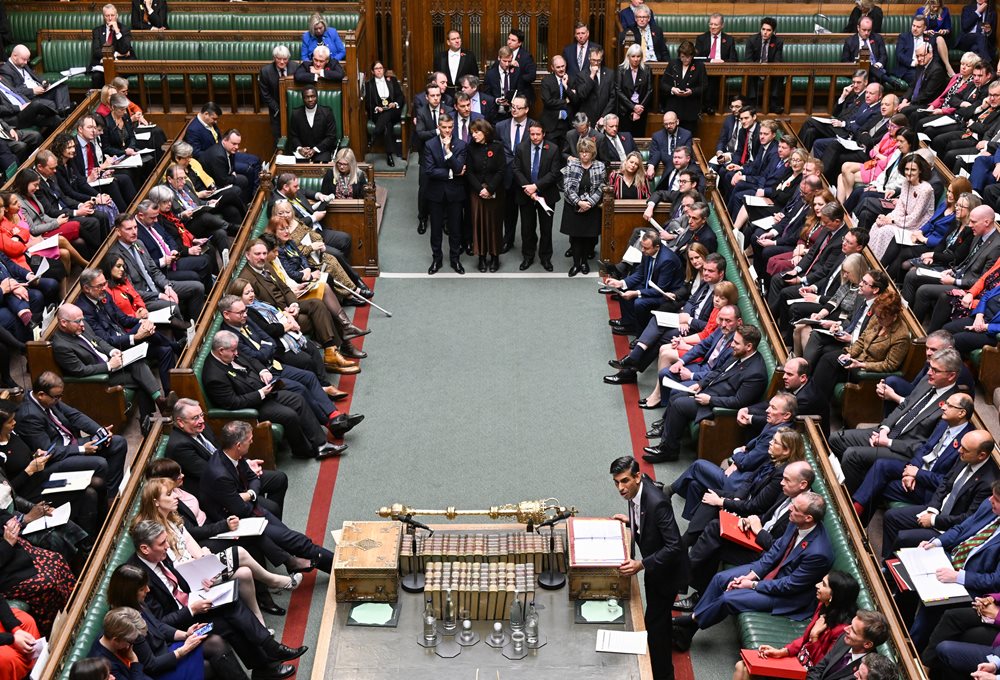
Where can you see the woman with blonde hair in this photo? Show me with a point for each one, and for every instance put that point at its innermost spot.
(104, 108)
(320, 33)
(581, 219)
(345, 179)
(836, 307)
(159, 504)
(629, 181)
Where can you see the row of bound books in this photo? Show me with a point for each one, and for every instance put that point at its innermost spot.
(484, 591)
(517, 547)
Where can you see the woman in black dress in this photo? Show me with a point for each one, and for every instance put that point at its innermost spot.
(581, 219)
(384, 104)
(485, 165)
(682, 85)
(634, 86)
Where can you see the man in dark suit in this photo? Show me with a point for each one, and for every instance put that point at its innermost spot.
(204, 131)
(581, 129)
(556, 95)
(112, 33)
(782, 581)
(17, 75)
(711, 549)
(865, 124)
(739, 384)
(321, 68)
(928, 81)
(192, 443)
(425, 121)
(172, 601)
(106, 320)
(851, 97)
(716, 47)
(815, 265)
(454, 62)
(268, 81)
(46, 423)
(613, 145)
(698, 230)
(511, 132)
(444, 165)
(956, 498)
(593, 91)
(90, 162)
(536, 177)
(894, 388)
(147, 277)
(712, 353)
(765, 48)
(906, 428)
(575, 54)
(79, 353)
(646, 34)
(312, 130)
(231, 486)
(94, 225)
(231, 385)
(522, 60)
(503, 81)
(726, 143)
(866, 38)
(177, 262)
(664, 561)
(795, 381)
(906, 49)
(915, 481)
(867, 631)
(663, 143)
(672, 183)
(310, 209)
(219, 161)
(769, 169)
(637, 297)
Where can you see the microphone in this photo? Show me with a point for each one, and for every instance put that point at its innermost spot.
(558, 518)
(405, 519)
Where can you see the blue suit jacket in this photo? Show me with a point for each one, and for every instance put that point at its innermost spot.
(794, 584)
(758, 168)
(503, 134)
(742, 386)
(199, 137)
(108, 321)
(776, 172)
(666, 273)
(754, 453)
(702, 350)
(439, 186)
(725, 133)
(658, 146)
(981, 572)
(904, 55)
(864, 115)
(945, 462)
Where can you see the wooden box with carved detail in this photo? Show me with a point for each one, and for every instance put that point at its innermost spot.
(366, 562)
(597, 547)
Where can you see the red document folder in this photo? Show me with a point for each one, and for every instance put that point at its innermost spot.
(789, 667)
(729, 528)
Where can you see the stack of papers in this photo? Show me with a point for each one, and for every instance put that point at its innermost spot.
(921, 566)
(667, 319)
(598, 542)
(59, 517)
(251, 526)
(621, 641)
(75, 481)
(940, 122)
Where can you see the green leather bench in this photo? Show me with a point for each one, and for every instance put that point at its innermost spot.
(332, 98)
(787, 23)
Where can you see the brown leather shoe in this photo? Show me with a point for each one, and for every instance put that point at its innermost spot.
(335, 394)
(333, 358)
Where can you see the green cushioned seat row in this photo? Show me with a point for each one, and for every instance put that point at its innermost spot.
(332, 98)
(26, 25)
(787, 23)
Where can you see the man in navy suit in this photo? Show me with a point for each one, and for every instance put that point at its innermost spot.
(893, 389)
(613, 146)
(664, 560)
(483, 104)
(852, 655)
(576, 52)
(914, 481)
(741, 383)
(979, 19)
(671, 181)
(444, 165)
(749, 173)
(637, 297)
(511, 132)
(766, 172)
(425, 122)
(906, 45)
(865, 37)
(663, 143)
(765, 47)
(501, 82)
(726, 143)
(646, 34)
(955, 499)
(781, 582)
(535, 180)
(522, 60)
(708, 355)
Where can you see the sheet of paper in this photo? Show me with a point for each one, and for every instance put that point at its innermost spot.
(101, 182)
(672, 384)
(41, 651)
(667, 319)
(850, 144)
(284, 159)
(923, 137)
(903, 237)
(940, 122)
(796, 301)
(757, 201)
(969, 157)
(598, 542)
(75, 71)
(160, 316)
(544, 204)
(195, 572)
(133, 161)
(76, 481)
(764, 222)
(59, 517)
(921, 565)
(43, 267)
(741, 245)
(134, 354)
(929, 273)
(145, 127)
(824, 119)
(144, 137)
(44, 244)
(652, 284)
(251, 526)
(224, 593)
(56, 84)
(621, 641)
(632, 255)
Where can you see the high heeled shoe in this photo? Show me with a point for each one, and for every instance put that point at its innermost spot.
(293, 582)
(643, 404)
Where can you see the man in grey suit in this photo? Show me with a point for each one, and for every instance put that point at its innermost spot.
(905, 429)
(594, 87)
(156, 291)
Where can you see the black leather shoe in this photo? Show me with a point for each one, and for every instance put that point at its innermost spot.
(620, 363)
(494, 264)
(330, 450)
(623, 377)
(568, 253)
(622, 330)
(616, 323)
(657, 423)
(271, 608)
(547, 265)
(574, 270)
(643, 404)
(655, 432)
(365, 292)
(506, 248)
(351, 352)
(584, 268)
(654, 455)
(633, 343)
(469, 251)
(434, 268)
(343, 424)
(607, 290)
(422, 227)
(525, 263)
(284, 653)
(686, 604)
(275, 672)
(457, 266)
(605, 268)
(390, 161)
(482, 264)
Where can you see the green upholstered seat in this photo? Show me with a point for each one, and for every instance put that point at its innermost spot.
(332, 98)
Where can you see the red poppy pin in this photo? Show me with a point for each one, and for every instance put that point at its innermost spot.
(489, 154)
(940, 404)
(804, 544)
(545, 146)
(954, 444)
(770, 46)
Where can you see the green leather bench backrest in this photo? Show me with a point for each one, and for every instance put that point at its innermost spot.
(251, 50)
(311, 183)
(787, 23)
(331, 98)
(59, 55)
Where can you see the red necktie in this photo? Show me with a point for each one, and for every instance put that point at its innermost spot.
(91, 156)
(111, 37)
(819, 252)
(774, 572)
(714, 52)
(746, 147)
(175, 588)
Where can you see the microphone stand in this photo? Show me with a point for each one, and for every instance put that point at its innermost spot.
(415, 581)
(551, 578)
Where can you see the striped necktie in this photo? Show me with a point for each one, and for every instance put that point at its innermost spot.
(962, 552)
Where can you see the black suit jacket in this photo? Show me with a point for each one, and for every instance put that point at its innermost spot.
(625, 86)
(333, 72)
(549, 165)
(322, 135)
(852, 47)
(595, 100)
(664, 558)
(727, 46)
(606, 151)
(38, 432)
(228, 387)
(752, 49)
(268, 81)
(468, 65)
(741, 386)
(143, 20)
(216, 161)
(372, 99)
(191, 456)
(824, 670)
(221, 486)
(13, 79)
(441, 187)
(122, 46)
(973, 492)
(74, 359)
(933, 84)
(569, 53)
(135, 276)
(552, 104)
(160, 601)
(425, 129)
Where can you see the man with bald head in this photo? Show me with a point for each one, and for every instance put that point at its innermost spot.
(795, 380)
(866, 39)
(16, 74)
(20, 103)
(663, 143)
(853, 124)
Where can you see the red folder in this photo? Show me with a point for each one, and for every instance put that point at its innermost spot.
(729, 528)
(788, 667)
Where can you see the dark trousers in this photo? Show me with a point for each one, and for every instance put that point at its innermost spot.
(967, 341)
(958, 629)
(900, 529)
(709, 551)
(108, 463)
(307, 386)
(660, 626)
(304, 435)
(532, 215)
(510, 213)
(450, 214)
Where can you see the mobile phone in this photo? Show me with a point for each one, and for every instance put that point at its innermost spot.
(204, 630)
(845, 362)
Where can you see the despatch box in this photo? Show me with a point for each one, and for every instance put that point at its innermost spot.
(366, 562)
(596, 549)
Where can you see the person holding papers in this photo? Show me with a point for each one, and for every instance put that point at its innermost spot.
(837, 594)
(159, 504)
(853, 651)
(79, 352)
(827, 310)
(174, 602)
(641, 291)
(664, 561)
(950, 215)
(973, 551)
(781, 582)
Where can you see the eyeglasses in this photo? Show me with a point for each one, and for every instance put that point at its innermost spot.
(56, 397)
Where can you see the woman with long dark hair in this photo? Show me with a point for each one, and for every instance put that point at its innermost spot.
(384, 104)
(485, 167)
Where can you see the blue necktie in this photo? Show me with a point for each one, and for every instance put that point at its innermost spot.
(535, 157)
(517, 135)
(14, 95)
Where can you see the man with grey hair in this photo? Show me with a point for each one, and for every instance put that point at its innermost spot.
(269, 81)
(165, 244)
(893, 389)
(594, 88)
(928, 81)
(614, 146)
(173, 601)
(646, 34)
(206, 219)
(321, 68)
(231, 385)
